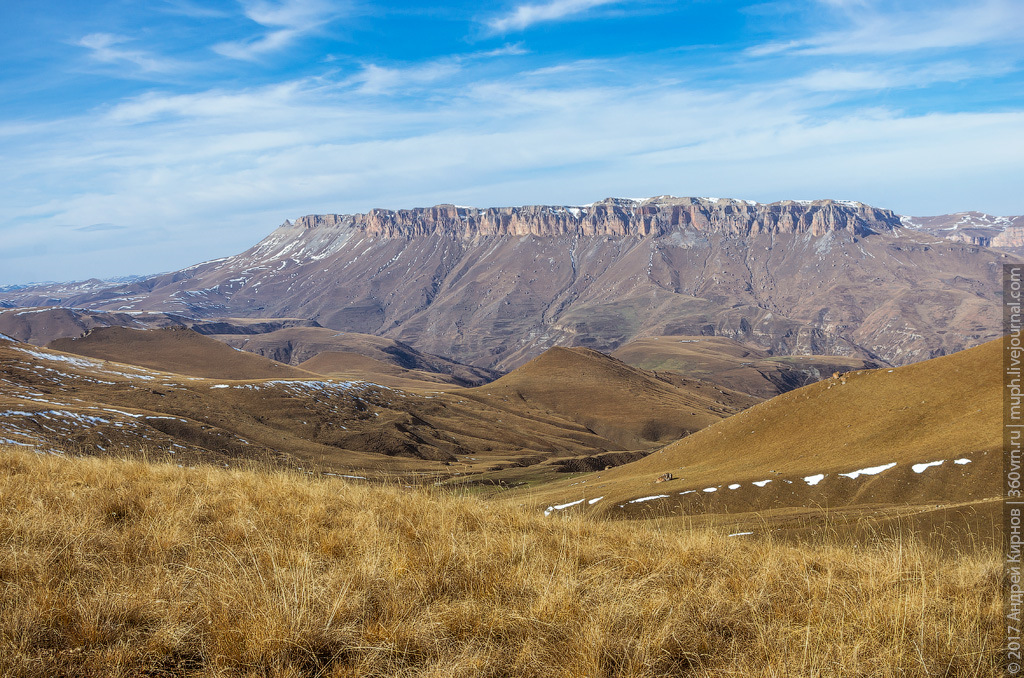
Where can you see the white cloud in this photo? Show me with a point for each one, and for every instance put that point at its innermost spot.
(524, 16)
(106, 48)
(287, 21)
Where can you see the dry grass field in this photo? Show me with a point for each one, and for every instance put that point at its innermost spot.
(127, 568)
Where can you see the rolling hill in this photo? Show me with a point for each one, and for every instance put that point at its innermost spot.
(632, 407)
(300, 345)
(64, 402)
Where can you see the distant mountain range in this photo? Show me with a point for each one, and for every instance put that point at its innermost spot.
(977, 228)
(495, 287)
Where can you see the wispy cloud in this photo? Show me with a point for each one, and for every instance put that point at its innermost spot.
(506, 50)
(374, 79)
(286, 22)
(866, 79)
(405, 79)
(524, 16)
(192, 9)
(107, 48)
(885, 28)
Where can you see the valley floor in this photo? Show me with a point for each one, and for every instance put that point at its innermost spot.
(124, 568)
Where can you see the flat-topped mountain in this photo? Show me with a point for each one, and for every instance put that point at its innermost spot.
(496, 287)
(610, 217)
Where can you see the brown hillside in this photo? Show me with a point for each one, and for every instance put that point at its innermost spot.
(628, 405)
(175, 349)
(348, 365)
(496, 287)
(62, 402)
(945, 409)
(42, 325)
(730, 364)
(297, 345)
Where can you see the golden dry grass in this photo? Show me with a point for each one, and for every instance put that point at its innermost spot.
(124, 568)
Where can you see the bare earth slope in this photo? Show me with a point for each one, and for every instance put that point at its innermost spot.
(496, 287)
(177, 350)
(924, 433)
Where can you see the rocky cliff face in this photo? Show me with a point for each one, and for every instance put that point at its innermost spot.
(617, 217)
(496, 287)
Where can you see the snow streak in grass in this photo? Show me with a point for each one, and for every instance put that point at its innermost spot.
(641, 499)
(870, 471)
(559, 507)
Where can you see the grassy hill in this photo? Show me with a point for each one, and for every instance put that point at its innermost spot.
(352, 365)
(876, 426)
(118, 568)
(630, 406)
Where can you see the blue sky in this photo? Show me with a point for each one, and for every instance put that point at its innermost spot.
(143, 136)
